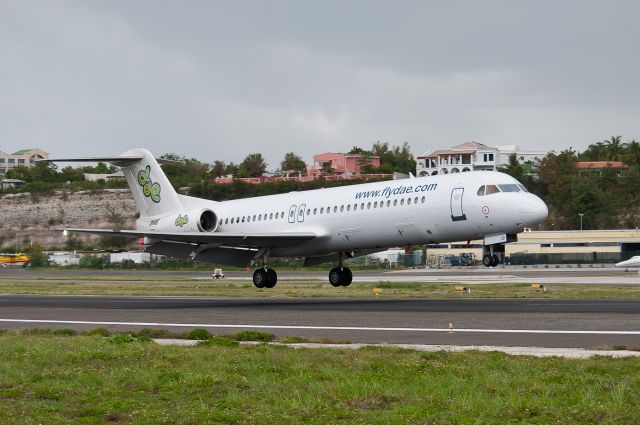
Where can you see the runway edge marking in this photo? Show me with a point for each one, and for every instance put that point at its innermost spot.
(336, 328)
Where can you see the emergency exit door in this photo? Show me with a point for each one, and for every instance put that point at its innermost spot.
(457, 214)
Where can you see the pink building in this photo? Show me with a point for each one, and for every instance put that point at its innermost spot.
(343, 162)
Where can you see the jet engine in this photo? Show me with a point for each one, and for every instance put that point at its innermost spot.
(200, 220)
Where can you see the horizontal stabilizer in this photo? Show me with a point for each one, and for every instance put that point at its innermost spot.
(245, 240)
(116, 160)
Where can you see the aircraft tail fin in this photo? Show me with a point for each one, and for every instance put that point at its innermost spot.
(150, 187)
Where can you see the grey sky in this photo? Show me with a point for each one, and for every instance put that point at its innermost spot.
(219, 80)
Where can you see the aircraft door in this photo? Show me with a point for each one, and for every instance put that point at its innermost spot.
(292, 213)
(457, 214)
(301, 209)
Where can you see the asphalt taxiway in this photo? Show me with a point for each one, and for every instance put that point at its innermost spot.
(506, 322)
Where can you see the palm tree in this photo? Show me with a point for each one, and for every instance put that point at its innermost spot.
(615, 148)
(632, 155)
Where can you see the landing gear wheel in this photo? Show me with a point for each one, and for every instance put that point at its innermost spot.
(272, 278)
(336, 277)
(259, 278)
(348, 277)
(487, 260)
(495, 261)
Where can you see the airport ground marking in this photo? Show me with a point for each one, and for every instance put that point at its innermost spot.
(335, 328)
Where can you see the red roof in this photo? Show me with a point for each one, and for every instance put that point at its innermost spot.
(601, 164)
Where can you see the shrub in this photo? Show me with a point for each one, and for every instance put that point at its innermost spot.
(199, 334)
(122, 338)
(221, 341)
(153, 333)
(97, 332)
(253, 336)
(64, 332)
(37, 331)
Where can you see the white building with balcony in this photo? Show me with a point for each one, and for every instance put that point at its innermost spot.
(473, 156)
(24, 158)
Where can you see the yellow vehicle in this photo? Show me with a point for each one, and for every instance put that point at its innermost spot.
(10, 260)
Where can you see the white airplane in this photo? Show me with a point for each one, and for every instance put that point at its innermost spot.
(324, 225)
(631, 262)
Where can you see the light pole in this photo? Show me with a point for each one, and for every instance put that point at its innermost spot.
(580, 214)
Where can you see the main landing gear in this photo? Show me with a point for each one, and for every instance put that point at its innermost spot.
(265, 277)
(340, 276)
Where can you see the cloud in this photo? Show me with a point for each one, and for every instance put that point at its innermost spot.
(219, 80)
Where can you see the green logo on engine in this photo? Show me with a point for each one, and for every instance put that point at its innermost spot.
(149, 188)
(182, 220)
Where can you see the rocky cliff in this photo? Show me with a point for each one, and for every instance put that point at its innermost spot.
(27, 219)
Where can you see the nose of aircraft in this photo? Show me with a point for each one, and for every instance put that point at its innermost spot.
(533, 210)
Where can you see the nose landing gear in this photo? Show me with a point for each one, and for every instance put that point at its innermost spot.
(491, 254)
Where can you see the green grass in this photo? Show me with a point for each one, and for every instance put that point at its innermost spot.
(92, 380)
(287, 289)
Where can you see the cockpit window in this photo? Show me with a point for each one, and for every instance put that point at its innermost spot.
(509, 187)
(524, 189)
(491, 189)
(481, 191)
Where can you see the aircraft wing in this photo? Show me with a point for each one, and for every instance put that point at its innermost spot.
(240, 240)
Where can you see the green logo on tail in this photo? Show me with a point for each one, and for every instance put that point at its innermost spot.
(182, 220)
(149, 188)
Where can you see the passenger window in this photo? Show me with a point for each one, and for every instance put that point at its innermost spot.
(401, 201)
(423, 199)
(271, 216)
(388, 203)
(369, 206)
(315, 211)
(409, 201)
(362, 206)
(415, 201)
(322, 210)
(375, 204)
(254, 218)
(335, 209)
(349, 207)
(395, 202)
(226, 221)
(355, 207)
(481, 191)
(341, 208)
(243, 219)
(491, 189)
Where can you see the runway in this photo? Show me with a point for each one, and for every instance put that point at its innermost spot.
(510, 322)
(464, 275)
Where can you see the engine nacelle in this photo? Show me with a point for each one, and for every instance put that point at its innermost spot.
(199, 220)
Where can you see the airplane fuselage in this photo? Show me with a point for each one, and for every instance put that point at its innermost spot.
(381, 214)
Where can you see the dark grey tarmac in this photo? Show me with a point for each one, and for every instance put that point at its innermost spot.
(417, 321)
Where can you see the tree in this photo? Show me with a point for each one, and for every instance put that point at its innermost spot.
(253, 166)
(632, 153)
(327, 168)
(393, 159)
(614, 148)
(232, 170)
(218, 169)
(513, 168)
(292, 162)
(595, 152)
